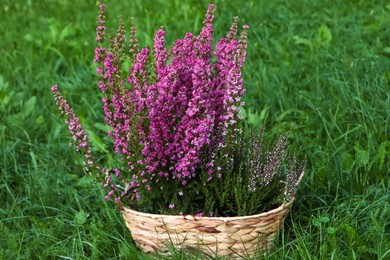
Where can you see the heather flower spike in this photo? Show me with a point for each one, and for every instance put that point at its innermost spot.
(133, 41)
(81, 140)
(101, 28)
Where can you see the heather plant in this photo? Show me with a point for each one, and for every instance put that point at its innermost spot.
(176, 127)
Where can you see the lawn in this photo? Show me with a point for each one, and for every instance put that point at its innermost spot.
(320, 69)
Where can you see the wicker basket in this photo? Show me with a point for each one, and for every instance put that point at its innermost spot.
(234, 237)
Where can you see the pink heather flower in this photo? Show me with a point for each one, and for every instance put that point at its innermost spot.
(160, 53)
(171, 206)
(133, 47)
(81, 140)
(200, 214)
(167, 111)
(79, 136)
(101, 29)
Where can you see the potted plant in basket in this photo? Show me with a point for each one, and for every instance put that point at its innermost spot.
(188, 171)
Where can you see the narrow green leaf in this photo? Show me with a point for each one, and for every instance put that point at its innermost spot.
(383, 152)
(363, 157)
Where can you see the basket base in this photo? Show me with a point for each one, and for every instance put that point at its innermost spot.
(235, 237)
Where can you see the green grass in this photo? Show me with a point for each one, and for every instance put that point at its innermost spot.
(318, 68)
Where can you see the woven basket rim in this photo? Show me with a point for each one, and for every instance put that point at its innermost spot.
(263, 214)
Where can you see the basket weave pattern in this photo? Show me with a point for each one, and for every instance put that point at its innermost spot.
(235, 237)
